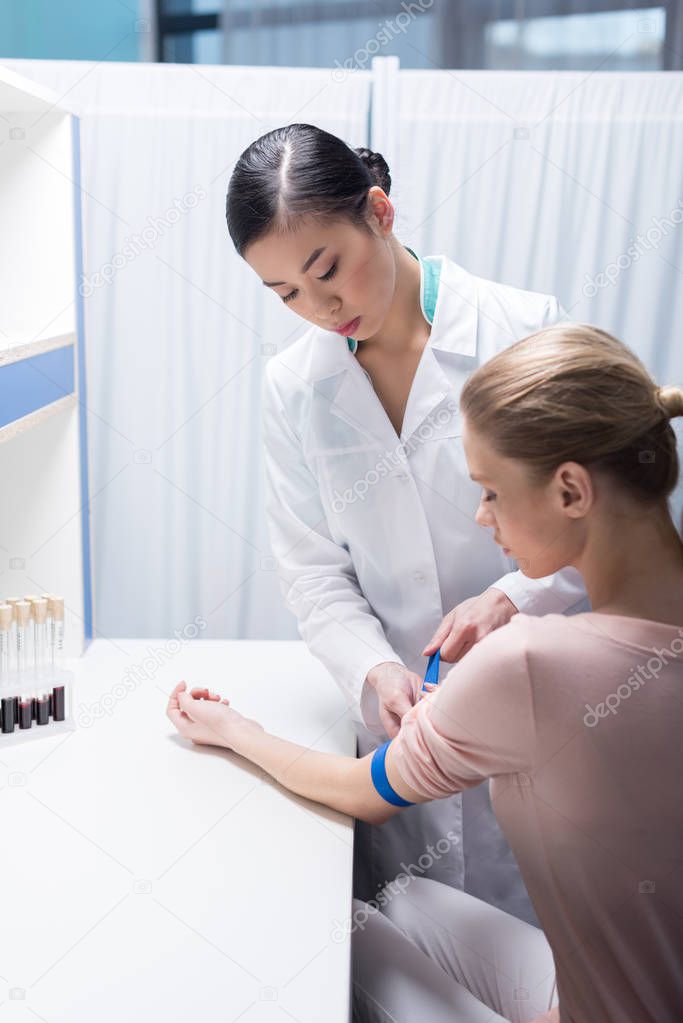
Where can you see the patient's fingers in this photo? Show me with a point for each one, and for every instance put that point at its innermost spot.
(203, 693)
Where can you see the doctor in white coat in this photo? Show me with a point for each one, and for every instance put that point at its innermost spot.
(371, 511)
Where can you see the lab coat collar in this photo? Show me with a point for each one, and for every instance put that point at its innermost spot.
(339, 378)
(456, 316)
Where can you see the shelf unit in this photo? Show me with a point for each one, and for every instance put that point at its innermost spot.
(45, 510)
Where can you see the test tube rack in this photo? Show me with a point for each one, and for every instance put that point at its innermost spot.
(36, 690)
(35, 706)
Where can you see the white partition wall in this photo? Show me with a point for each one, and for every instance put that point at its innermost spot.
(44, 512)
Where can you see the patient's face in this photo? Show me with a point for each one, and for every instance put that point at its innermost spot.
(525, 516)
(354, 274)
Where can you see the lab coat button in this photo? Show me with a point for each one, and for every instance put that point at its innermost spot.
(419, 577)
(399, 474)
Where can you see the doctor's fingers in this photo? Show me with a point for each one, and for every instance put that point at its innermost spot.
(391, 714)
(462, 638)
(401, 700)
(440, 635)
(390, 722)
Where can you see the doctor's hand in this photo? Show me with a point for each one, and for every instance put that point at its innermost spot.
(469, 622)
(397, 689)
(205, 718)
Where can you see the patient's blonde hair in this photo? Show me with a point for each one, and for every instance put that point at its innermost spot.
(574, 393)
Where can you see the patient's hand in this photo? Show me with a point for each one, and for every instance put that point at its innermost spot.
(205, 718)
(469, 622)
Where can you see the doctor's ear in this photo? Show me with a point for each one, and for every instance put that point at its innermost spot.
(381, 209)
(573, 486)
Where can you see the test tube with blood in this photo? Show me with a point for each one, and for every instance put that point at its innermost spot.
(48, 651)
(57, 655)
(22, 612)
(7, 702)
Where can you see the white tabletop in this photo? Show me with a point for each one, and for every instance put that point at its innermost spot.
(148, 879)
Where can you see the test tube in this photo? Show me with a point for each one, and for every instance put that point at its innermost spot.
(22, 610)
(6, 616)
(39, 608)
(57, 633)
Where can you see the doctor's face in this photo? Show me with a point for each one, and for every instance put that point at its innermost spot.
(332, 275)
(528, 518)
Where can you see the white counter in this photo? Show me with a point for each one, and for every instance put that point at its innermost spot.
(148, 879)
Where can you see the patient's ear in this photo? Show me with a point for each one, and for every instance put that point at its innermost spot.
(574, 489)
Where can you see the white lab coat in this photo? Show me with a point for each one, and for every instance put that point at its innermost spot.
(375, 537)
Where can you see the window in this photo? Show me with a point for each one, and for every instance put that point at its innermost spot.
(309, 33)
(611, 40)
(188, 31)
(499, 34)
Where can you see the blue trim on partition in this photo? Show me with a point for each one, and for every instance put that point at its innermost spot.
(82, 390)
(31, 384)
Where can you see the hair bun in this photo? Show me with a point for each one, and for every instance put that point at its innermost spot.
(671, 400)
(378, 167)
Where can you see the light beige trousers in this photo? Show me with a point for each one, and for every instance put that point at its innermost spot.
(436, 953)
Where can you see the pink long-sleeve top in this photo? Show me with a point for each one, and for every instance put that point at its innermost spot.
(578, 722)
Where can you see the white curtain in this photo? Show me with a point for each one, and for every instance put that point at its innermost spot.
(540, 180)
(177, 341)
(566, 183)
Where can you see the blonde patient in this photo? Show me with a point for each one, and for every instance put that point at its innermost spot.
(575, 720)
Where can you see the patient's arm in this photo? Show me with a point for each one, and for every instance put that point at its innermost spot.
(343, 783)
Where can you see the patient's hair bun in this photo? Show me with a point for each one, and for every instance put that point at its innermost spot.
(671, 400)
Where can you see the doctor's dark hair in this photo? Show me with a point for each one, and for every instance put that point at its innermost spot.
(574, 393)
(299, 173)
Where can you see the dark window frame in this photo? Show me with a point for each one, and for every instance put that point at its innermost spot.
(168, 25)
